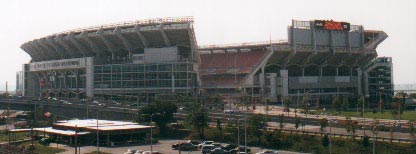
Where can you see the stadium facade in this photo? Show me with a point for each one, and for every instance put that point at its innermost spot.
(155, 57)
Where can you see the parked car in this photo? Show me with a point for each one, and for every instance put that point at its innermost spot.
(187, 147)
(184, 146)
(153, 152)
(267, 152)
(205, 143)
(242, 150)
(207, 149)
(194, 142)
(175, 146)
(229, 147)
(45, 141)
(218, 151)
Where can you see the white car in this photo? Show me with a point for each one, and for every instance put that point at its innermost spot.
(267, 152)
(153, 152)
(205, 143)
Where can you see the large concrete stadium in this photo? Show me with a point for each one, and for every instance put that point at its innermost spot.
(158, 58)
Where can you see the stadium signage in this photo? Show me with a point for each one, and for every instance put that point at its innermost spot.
(57, 64)
(331, 25)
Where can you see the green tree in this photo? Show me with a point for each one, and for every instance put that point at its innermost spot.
(336, 103)
(199, 120)
(365, 142)
(219, 124)
(162, 113)
(350, 128)
(287, 106)
(412, 129)
(325, 140)
(345, 103)
(257, 123)
(297, 122)
(218, 102)
(397, 107)
(361, 101)
(281, 121)
(323, 123)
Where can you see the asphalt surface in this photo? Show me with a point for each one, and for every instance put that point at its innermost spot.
(164, 146)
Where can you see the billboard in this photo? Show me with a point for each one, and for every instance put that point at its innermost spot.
(58, 64)
(331, 25)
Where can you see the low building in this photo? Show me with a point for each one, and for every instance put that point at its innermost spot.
(110, 133)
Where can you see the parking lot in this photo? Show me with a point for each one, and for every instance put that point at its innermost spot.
(164, 146)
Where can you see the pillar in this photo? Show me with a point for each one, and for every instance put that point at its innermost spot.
(284, 76)
(89, 77)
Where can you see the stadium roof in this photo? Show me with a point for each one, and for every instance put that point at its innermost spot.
(121, 38)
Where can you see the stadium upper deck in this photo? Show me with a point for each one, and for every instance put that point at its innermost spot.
(113, 39)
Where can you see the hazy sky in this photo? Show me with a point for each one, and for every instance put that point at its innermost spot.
(216, 22)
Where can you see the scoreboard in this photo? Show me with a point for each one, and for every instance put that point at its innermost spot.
(331, 25)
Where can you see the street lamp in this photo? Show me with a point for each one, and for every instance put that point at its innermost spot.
(330, 134)
(380, 100)
(366, 99)
(307, 107)
(374, 137)
(404, 101)
(151, 130)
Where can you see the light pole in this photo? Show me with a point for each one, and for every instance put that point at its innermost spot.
(365, 100)
(238, 135)
(374, 137)
(151, 134)
(330, 134)
(307, 106)
(98, 137)
(400, 111)
(380, 100)
(151, 130)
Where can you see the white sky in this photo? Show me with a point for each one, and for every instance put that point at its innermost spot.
(216, 22)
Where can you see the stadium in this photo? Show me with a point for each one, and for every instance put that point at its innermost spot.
(158, 58)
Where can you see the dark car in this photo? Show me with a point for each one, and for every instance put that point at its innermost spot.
(45, 141)
(229, 147)
(184, 146)
(194, 142)
(187, 146)
(241, 149)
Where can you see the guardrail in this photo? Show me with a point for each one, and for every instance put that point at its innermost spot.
(382, 139)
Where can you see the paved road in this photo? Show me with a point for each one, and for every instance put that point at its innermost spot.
(164, 146)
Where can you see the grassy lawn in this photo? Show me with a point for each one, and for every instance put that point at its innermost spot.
(5, 138)
(41, 149)
(407, 115)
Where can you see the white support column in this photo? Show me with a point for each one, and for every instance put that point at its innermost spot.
(89, 77)
(303, 70)
(127, 44)
(41, 50)
(337, 71)
(81, 49)
(143, 39)
(360, 82)
(59, 39)
(94, 47)
(42, 42)
(165, 37)
(107, 43)
(284, 76)
(58, 49)
(320, 71)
